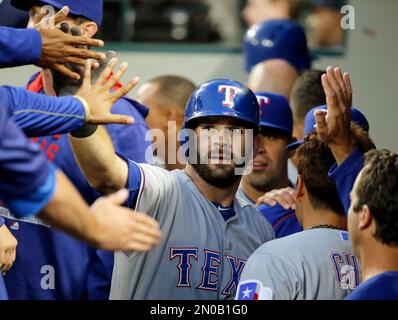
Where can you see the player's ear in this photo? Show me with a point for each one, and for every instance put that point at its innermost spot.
(89, 29)
(300, 188)
(365, 219)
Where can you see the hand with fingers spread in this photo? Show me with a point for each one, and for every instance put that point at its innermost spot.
(8, 246)
(59, 47)
(99, 97)
(286, 197)
(122, 228)
(333, 127)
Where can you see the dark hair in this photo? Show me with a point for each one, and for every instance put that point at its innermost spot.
(174, 89)
(307, 93)
(378, 189)
(314, 162)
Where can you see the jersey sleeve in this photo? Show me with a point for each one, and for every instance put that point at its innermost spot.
(284, 222)
(23, 169)
(41, 115)
(149, 187)
(19, 47)
(345, 174)
(270, 277)
(133, 141)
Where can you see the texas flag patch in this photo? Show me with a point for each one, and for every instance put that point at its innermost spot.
(253, 290)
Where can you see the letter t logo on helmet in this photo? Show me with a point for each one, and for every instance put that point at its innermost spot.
(230, 93)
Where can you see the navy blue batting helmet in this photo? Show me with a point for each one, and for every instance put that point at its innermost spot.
(226, 98)
(277, 39)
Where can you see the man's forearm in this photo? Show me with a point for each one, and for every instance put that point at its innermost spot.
(40, 115)
(96, 156)
(19, 47)
(68, 212)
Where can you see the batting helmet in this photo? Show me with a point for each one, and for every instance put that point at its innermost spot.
(277, 39)
(275, 112)
(226, 98)
(89, 9)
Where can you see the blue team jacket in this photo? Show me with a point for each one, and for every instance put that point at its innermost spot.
(50, 265)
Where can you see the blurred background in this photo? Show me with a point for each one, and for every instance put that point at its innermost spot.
(202, 39)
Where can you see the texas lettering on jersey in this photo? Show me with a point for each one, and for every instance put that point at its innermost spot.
(187, 257)
(47, 146)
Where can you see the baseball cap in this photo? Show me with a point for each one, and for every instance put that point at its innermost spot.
(356, 116)
(277, 39)
(275, 112)
(89, 9)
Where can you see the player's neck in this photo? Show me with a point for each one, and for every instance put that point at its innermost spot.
(255, 193)
(224, 196)
(316, 217)
(377, 258)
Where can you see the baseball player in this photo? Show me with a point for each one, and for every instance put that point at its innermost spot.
(270, 165)
(209, 233)
(317, 263)
(166, 97)
(30, 186)
(373, 204)
(79, 271)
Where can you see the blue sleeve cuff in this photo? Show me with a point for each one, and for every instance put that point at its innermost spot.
(135, 181)
(36, 45)
(337, 171)
(34, 202)
(1, 221)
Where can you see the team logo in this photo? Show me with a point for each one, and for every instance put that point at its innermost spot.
(14, 225)
(253, 290)
(263, 101)
(230, 94)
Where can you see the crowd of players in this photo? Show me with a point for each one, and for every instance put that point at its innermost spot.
(315, 217)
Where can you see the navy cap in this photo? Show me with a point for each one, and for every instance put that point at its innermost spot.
(275, 112)
(89, 9)
(277, 39)
(356, 116)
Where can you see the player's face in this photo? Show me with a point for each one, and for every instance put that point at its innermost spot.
(353, 217)
(221, 147)
(270, 163)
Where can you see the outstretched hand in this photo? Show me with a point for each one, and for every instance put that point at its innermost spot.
(333, 126)
(99, 97)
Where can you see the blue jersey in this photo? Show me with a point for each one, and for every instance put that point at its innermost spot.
(50, 265)
(345, 174)
(384, 286)
(19, 47)
(40, 115)
(283, 221)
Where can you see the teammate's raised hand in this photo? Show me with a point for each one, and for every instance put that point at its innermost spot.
(120, 228)
(99, 97)
(333, 127)
(59, 47)
(286, 197)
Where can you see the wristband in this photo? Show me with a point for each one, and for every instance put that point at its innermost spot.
(85, 106)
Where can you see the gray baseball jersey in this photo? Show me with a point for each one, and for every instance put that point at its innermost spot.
(312, 264)
(201, 255)
(241, 195)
